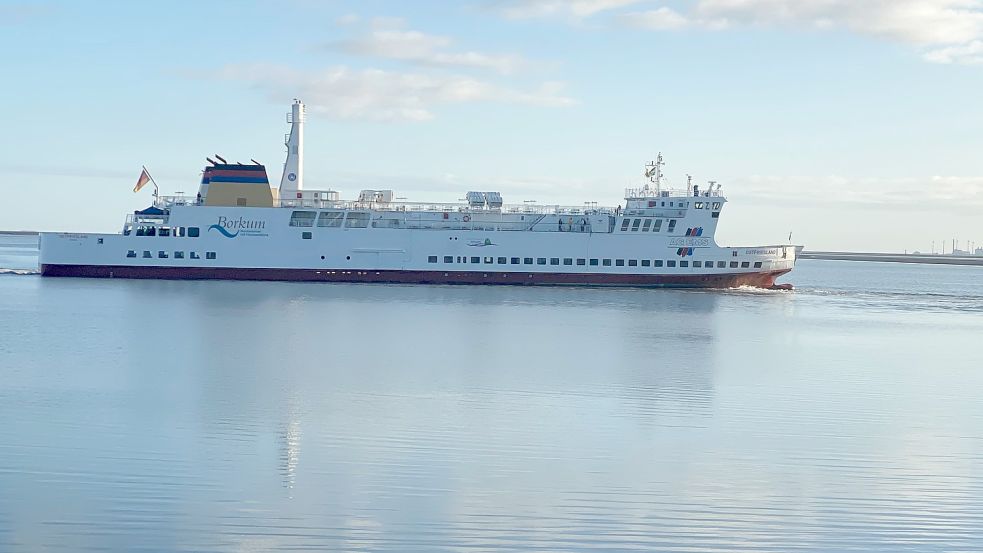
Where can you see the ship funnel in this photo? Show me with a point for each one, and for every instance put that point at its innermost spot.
(292, 181)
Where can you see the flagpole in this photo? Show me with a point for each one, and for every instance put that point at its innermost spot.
(156, 190)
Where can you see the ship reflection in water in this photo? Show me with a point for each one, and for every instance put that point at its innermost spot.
(230, 416)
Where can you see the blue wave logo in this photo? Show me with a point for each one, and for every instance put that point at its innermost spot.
(224, 231)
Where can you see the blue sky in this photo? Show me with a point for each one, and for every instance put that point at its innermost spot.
(853, 124)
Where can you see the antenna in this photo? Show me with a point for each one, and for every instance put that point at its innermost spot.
(220, 158)
(212, 161)
(254, 161)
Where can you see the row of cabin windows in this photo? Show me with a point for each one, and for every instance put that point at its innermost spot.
(646, 225)
(161, 254)
(592, 262)
(179, 232)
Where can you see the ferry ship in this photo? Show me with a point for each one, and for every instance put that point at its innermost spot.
(239, 227)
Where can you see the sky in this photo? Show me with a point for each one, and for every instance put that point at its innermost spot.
(851, 124)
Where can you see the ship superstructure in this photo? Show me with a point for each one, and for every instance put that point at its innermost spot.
(238, 227)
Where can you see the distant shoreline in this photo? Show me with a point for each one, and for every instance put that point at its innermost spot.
(20, 232)
(929, 259)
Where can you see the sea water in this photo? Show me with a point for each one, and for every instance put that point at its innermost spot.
(255, 416)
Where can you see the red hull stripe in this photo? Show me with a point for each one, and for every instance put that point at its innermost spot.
(765, 279)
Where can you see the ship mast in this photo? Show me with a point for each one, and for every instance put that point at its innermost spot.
(653, 172)
(292, 181)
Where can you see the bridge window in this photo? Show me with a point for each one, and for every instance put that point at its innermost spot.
(624, 224)
(581, 261)
(432, 259)
(634, 225)
(672, 225)
(330, 219)
(646, 225)
(357, 219)
(757, 264)
(306, 235)
(671, 263)
(448, 259)
(193, 232)
(658, 225)
(302, 218)
(606, 262)
(646, 263)
(568, 261)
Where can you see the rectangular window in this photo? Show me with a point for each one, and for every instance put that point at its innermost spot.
(619, 262)
(193, 255)
(624, 224)
(527, 260)
(489, 260)
(657, 263)
(164, 231)
(302, 218)
(241, 202)
(568, 261)
(540, 261)
(448, 259)
(432, 259)
(698, 264)
(671, 263)
(715, 214)
(733, 264)
(178, 255)
(209, 255)
(581, 261)
(745, 264)
(606, 262)
(634, 225)
(593, 262)
(503, 260)
(658, 225)
(306, 235)
(757, 264)
(192, 232)
(633, 263)
(475, 260)
(646, 225)
(515, 260)
(162, 254)
(147, 255)
(672, 225)
(462, 259)
(684, 263)
(131, 253)
(554, 261)
(330, 219)
(357, 219)
(646, 263)
(721, 264)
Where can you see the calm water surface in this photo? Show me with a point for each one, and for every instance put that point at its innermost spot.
(237, 416)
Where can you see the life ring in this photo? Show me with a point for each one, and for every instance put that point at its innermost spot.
(467, 218)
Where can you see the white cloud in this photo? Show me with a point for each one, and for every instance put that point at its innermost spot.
(348, 19)
(374, 94)
(425, 49)
(967, 54)
(529, 9)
